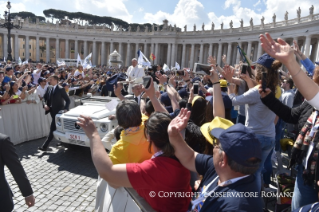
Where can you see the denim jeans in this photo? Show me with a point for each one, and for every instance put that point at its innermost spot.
(267, 144)
(303, 194)
(279, 134)
(267, 168)
(241, 119)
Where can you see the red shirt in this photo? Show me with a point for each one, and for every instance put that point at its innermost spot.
(161, 175)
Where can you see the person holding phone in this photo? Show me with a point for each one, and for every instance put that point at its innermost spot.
(260, 119)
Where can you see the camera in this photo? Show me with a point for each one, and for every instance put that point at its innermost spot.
(202, 69)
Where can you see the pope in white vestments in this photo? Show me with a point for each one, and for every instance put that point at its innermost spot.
(133, 72)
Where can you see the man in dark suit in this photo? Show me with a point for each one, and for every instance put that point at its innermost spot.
(9, 158)
(54, 98)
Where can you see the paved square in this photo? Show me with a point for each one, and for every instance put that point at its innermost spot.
(63, 179)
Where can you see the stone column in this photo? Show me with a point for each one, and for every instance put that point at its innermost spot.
(26, 45)
(57, 49)
(47, 50)
(128, 54)
(307, 46)
(249, 50)
(120, 49)
(229, 53)
(111, 47)
(85, 44)
(219, 54)
(156, 53)
(76, 49)
(67, 49)
(94, 53)
(210, 50)
(192, 56)
(168, 60)
(317, 53)
(201, 52)
(16, 47)
(102, 53)
(238, 55)
(37, 49)
(183, 56)
(144, 49)
(260, 50)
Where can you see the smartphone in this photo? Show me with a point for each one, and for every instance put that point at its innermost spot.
(195, 85)
(202, 69)
(264, 82)
(244, 69)
(147, 81)
(15, 96)
(180, 73)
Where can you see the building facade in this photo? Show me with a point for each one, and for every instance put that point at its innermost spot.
(46, 42)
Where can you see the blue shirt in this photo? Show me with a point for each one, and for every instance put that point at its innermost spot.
(204, 166)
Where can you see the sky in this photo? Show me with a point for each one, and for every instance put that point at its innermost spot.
(179, 12)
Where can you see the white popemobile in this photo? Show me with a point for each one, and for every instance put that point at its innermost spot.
(99, 109)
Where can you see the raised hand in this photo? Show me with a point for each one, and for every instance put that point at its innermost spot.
(161, 78)
(87, 124)
(151, 89)
(211, 60)
(213, 76)
(179, 123)
(279, 50)
(262, 93)
(224, 59)
(228, 73)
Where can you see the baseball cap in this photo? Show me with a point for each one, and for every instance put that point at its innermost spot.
(65, 84)
(239, 143)
(265, 60)
(317, 63)
(8, 68)
(216, 123)
(41, 79)
(165, 99)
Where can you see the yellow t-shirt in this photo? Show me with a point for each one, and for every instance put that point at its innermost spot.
(132, 146)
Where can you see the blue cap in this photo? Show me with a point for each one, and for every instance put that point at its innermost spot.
(17, 72)
(196, 79)
(45, 73)
(8, 68)
(239, 143)
(109, 73)
(30, 86)
(265, 60)
(41, 79)
(165, 99)
(65, 84)
(183, 93)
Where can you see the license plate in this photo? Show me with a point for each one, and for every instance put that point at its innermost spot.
(77, 137)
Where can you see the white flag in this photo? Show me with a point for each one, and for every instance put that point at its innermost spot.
(60, 63)
(78, 60)
(142, 60)
(177, 66)
(25, 62)
(165, 68)
(87, 61)
(4, 59)
(20, 61)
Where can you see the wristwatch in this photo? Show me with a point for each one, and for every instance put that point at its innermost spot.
(165, 83)
(228, 84)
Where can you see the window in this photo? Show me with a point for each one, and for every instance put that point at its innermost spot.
(30, 54)
(23, 54)
(41, 54)
(23, 46)
(29, 46)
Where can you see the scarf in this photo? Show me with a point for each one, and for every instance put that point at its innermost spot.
(307, 135)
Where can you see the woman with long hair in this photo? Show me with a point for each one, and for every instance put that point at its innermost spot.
(161, 174)
(259, 118)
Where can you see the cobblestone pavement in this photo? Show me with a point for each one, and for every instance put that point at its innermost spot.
(63, 179)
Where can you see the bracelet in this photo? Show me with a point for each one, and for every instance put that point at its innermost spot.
(216, 83)
(297, 73)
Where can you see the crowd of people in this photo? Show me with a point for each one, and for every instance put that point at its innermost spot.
(212, 135)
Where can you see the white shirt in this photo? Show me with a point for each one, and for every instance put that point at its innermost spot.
(314, 102)
(36, 76)
(18, 93)
(77, 73)
(41, 91)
